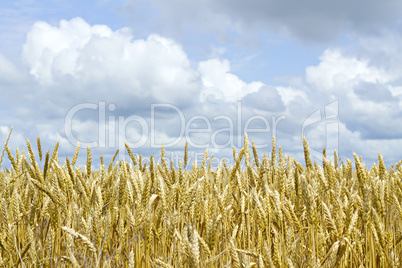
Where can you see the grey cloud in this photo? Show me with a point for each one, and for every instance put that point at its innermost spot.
(374, 92)
(380, 128)
(369, 121)
(266, 99)
(310, 20)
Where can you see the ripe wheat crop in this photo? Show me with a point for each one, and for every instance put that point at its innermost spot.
(273, 212)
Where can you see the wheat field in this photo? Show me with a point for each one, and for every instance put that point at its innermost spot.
(261, 212)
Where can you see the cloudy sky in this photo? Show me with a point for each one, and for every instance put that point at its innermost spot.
(165, 72)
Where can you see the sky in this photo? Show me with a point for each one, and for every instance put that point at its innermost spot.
(151, 73)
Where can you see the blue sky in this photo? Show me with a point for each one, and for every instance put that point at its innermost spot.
(329, 70)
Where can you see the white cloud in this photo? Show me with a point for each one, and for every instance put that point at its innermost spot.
(49, 47)
(337, 72)
(223, 85)
(74, 63)
(370, 105)
(288, 94)
(156, 67)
